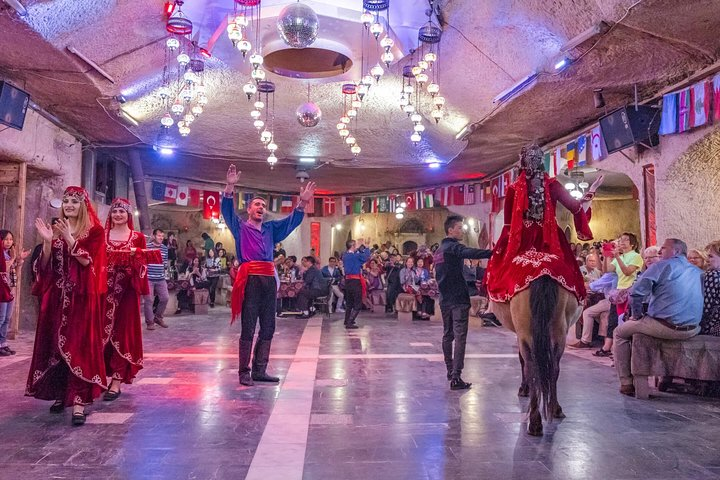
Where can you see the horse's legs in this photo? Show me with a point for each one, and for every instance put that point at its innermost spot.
(524, 391)
(535, 427)
(555, 407)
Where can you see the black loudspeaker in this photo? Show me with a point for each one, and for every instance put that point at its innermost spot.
(626, 127)
(13, 106)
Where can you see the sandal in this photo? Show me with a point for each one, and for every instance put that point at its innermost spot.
(57, 407)
(603, 353)
(111, 395)
(78, 418)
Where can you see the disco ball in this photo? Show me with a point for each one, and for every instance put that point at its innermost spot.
(308, 114)
(298, 25)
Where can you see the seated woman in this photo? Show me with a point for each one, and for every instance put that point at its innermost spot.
(710, 323)
(698, 258)
(424, 277)
(375, 284)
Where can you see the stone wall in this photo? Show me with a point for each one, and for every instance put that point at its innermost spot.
(609, 218)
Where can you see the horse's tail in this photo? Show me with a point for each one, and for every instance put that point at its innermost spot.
(543, 300)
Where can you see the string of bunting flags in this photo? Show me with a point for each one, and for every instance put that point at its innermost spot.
(691, 107)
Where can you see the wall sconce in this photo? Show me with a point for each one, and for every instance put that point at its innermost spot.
(338, 226)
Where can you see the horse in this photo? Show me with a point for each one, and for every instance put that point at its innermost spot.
(540, 316)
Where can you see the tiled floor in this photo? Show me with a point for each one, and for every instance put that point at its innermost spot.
(369, 404)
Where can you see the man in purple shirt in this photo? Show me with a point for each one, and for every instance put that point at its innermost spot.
(253, 295)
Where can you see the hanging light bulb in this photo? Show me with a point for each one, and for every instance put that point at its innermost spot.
(576, 194)
(259, 124)
(234, 34)
(419, 128)
(256, 60)
(415, 138)
(408, 89)
(172, 44)
(422, 78)
(241, 20)
(244, 46)
(190, 77)
(344, 132)
(387, 58)
(416, 70)
(265, 137)
(186, 94)
(357, 103)
(583, 185)
(439, 101)
(437, 115)
(350, 140)
(188, 118)
(376, 29)
(433, 88)
(366, 18)
(340, 126)
(259, 105)
(202, 100)
(399, 216)
(362, 90)
(423, 64)
(355, 149)
(409, 109)
(377, 72)
(404, 101)
(352, 113)
(258, 75)
(183, 59)
(345, 119)
(272, 159)
(570, 186)
(387, 43)
(250, 89)
(167, 120)
(416, 118)
(177, 108)
(272, 146)
(430, 57)
(197, 110)
(184, 131)
(164, 92)
(255, 114)
(367, 80)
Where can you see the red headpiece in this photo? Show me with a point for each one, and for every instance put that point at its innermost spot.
(82, 195)
(123, 203)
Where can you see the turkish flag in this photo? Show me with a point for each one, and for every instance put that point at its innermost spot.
(170, 192)
(495, 194)
(211, 205)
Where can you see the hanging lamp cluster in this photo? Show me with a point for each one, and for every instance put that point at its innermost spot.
(182, 92)
(351, 103)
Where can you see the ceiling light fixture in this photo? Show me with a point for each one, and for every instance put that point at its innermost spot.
(562, 64)
(307, 160)
(520, 86)
(298, 25)
(598, 29)
(92, 64)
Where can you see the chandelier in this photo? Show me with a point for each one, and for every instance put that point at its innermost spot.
(297, 25)
(577, 184)
(246, 13)
(266, 127)
(351, 103)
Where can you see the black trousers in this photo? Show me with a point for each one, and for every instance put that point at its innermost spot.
(212, 286)
(353, 299)
(306, 296)
(259, 304)
(455, 328)
(392, 293)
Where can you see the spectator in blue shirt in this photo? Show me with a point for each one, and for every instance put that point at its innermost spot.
(674, 289)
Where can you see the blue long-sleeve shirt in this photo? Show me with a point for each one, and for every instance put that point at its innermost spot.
(253, 244)
(674, 288)
(353, 261)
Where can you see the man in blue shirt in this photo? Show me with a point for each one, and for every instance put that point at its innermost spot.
(254, 291)
(353, 260)
(674, 289)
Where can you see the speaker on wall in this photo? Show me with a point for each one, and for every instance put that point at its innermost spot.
(13, 106)
(627, 126)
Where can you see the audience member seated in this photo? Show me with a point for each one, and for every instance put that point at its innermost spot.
(291, 270)
(314, 286)
(591, 270)
(332, 272)
(674, 288)
(698, 258)
(375, 284)
(394, 286)
(411, 284)
(279, 250)
(710, 324)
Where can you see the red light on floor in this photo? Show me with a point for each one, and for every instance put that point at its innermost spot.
(169, 8)
(205, 52)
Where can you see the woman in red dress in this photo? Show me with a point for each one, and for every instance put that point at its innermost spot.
(67, 364)
(531, 243)
(127, 282)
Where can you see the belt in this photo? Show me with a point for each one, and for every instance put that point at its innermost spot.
(679, 328)
(363, 284)
(254, 267)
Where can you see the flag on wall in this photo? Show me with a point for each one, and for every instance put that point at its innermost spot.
(442, 196)
(684, 110)
(570, 155)
(373, 205)
(357, 205)
(669, 116)
(247, 198)
(701, 103)
(158, 190)
(328, 206)
(495, 189)
(582, 147)
(507, 179)
(392, 203)
(457, 195)
(286, 204)
(411, 201)
(170, 192)
(716, 96)
(597, 144)
(211, 204)
(274, 203)
(345, 206)
(469, 194)
(429, 198)
(183, 195)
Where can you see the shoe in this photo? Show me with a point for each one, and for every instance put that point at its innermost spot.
(264, 377)
(449, 376)
(580, 345)
(488, 323)
(8, 349)
(341, 310)
(246, 379)
(78, 418)
(303, 315)
(352, 326)
(212, 305)
(261, 357)
(178, 311)
(458, 384)
(4, 353)
(628, 390)
(161, 322)
(151, 326)
(109, 396)
(57, 407)
(603, 353)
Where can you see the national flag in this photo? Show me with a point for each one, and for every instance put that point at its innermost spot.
(317, 209)
(328, 206)
(274, 203)
(582, 148)
(429, 198)
(469, 194)
(458, 195)
(247, 198)
(597, 144)
(442, 196)
(547, 159)
(716, 96)
(158, 191)
(570, 155)
(495, 189)
(506, 181)
(286, 204)
(183, 195)
(411, 201)
(345, 206)
(211, 204)
(194, 199)
(357, 205)
(392, 203)
(365, 205)
(383, 204)
(372, 205)
(481, 189)
(488, 191)
(669, 115)
(685, 102)
(170, 192)
(701, 104)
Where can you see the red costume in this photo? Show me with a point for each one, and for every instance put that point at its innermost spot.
(127, 282)
(528, 248)
(67, 362)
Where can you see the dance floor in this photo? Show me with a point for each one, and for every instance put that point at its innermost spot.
(369, 404)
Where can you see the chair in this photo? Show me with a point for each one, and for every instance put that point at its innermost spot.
(324, 301)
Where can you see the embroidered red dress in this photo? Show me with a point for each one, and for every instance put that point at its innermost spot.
(67, 362)
(529, 249)
(127, 282)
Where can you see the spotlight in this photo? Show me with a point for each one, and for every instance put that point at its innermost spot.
(598, 98)
(166, 151)
(561, 64)
(434, 165)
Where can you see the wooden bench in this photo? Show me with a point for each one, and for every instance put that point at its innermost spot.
(200, 301)
(405, 305)
(697, 358)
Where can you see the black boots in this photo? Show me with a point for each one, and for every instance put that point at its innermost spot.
(350, 317)
(244, 369)
(260, 362)
(457, 383)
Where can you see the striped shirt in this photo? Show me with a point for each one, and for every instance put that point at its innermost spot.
(156, 271)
